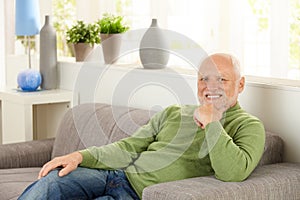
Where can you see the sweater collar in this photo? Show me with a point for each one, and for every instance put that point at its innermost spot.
(234, 108)
(231, 109)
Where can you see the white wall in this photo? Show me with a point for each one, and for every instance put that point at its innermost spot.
(129, 86)
(279, 109)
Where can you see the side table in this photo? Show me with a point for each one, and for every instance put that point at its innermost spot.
(34, 115)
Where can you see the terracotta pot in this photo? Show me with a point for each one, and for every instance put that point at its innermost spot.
(111, 44)
(82, 50)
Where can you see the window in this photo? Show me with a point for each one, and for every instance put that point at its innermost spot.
(294, 39)
(2, 45)
(64, 15)
(264, 34)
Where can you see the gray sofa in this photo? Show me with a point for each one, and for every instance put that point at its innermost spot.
(98, 124)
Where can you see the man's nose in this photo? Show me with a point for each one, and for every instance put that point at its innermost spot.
(212, 84)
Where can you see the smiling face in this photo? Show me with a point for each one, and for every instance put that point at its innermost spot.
(219, 81)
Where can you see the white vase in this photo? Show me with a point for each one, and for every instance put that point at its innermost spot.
(48, 55)
(154, 47)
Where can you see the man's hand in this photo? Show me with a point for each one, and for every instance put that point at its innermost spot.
(68, 162)
(206, 114)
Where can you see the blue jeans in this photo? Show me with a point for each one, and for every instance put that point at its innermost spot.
(82, 183)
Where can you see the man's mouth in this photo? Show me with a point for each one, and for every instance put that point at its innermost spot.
(213, 96)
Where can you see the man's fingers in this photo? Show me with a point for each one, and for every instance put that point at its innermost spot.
(196, 119)
(44, 171)
(66, 170)
(40, 174)
(68, 162)
(48, 167)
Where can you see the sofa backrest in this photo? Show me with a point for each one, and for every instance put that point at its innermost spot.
(96, 124)
(273, 152)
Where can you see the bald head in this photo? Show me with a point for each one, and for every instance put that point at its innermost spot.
(218, 60)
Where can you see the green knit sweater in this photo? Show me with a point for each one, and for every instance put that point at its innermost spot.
(172, 147)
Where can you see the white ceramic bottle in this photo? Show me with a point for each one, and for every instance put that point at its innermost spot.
(154, 48)
(48, 55)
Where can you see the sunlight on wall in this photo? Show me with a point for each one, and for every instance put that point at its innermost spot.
(2, 46)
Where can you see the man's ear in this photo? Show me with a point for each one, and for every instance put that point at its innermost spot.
(241, 84)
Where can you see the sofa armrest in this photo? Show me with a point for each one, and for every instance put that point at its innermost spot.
(25, 154)
(276, 181)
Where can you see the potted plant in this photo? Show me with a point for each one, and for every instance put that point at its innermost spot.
(111, 28)
(83, 36)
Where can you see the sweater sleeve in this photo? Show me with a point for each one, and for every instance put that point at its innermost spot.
(234, 158)
(122, 153)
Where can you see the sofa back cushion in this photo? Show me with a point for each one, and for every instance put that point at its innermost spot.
(96, 124)
(273, 152)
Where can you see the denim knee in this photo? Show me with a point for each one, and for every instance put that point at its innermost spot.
(41, 187)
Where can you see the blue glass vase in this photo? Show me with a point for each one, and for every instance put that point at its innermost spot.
(29, 80)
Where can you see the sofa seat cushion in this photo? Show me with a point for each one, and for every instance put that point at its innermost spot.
(14, 181)
(275, 181)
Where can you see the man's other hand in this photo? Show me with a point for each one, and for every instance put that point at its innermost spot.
(68, 163)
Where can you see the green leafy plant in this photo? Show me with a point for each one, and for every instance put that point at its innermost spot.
(83, 33)
(111, 24)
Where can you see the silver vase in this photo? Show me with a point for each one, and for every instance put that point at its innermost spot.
(154, 47)
(48, 55)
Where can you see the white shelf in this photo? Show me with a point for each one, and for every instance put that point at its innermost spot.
(31, 115)
(36, 97)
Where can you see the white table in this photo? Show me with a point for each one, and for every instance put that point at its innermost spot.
(27, 116)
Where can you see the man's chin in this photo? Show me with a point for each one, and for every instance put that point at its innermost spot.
(218, 104)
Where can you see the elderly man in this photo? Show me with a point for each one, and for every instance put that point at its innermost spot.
(218, 137)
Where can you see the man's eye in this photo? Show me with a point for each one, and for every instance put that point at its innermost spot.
(222, 79)
(203, 79)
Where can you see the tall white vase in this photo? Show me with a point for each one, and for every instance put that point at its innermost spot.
(48, 55)
(154, 48)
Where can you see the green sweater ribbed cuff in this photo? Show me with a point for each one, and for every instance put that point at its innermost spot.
(87, 157)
